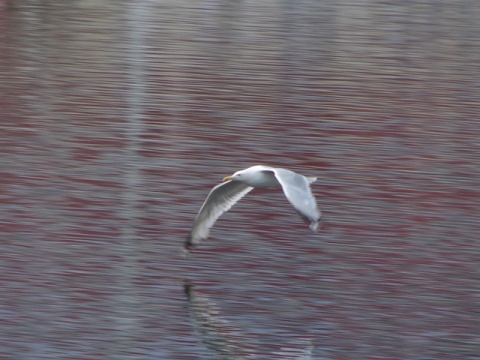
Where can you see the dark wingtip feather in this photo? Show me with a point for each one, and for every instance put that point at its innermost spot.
(189, 245)
(188, 287)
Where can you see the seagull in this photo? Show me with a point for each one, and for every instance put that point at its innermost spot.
(226, 194)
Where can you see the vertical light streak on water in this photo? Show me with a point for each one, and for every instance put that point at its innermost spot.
(28, 305)
(127, 319)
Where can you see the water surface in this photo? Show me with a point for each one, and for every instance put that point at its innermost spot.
(117, 118)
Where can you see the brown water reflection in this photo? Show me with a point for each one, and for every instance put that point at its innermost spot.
(117, 120)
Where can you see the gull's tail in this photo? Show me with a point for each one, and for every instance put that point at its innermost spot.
(311, 179)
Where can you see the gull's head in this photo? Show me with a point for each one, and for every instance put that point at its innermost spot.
(246, 175)
(239, 175)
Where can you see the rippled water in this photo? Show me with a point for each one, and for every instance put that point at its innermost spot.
(117, 118)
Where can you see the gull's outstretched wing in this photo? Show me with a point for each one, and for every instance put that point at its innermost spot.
(221, 199)
(297, 190)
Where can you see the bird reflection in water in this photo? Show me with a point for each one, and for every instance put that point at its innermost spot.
(222, 338)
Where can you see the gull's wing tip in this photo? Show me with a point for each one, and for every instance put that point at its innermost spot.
(188, 245)
(188, 287)
(191, 242)
(315, 226)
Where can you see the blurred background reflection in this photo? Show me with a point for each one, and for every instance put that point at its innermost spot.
(117, 118)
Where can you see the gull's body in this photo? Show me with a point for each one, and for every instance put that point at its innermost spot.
(223, 196)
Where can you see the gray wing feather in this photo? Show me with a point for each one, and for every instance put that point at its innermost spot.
(297, 190)
(221, 198)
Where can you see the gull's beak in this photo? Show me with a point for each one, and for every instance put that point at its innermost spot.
(227, 178)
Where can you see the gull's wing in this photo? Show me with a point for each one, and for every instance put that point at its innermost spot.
(297, 190)
(221, 199)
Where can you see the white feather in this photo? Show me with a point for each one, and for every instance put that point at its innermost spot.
(219, 200)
